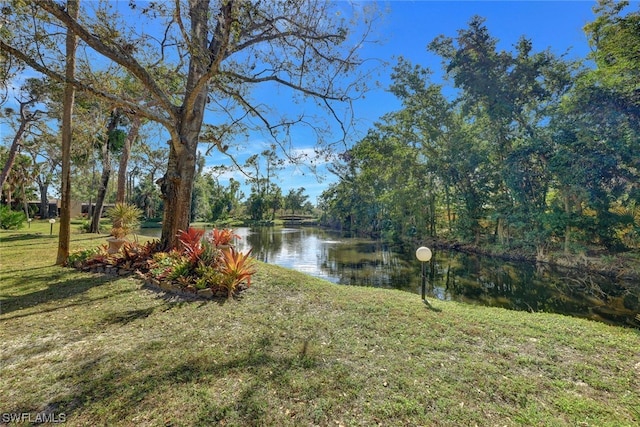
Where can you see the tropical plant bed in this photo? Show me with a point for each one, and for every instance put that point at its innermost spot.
(206, 266)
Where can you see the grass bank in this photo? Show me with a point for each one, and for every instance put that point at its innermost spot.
(293, 351)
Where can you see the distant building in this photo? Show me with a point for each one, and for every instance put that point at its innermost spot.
(78, 209)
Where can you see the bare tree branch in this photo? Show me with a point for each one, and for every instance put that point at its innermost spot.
(114, 99)
(274, 78)
(119, 56)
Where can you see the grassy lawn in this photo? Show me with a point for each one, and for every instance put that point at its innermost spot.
(293, 351)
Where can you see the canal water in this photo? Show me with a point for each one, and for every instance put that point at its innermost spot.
(451, 275)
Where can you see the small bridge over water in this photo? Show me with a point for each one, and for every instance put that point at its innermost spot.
(295, 219)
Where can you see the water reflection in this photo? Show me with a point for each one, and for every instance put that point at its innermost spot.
(452, 275)
(321, 253)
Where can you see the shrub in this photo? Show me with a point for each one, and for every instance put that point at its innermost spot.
(124, 218)
(163, 263)
(208, 277)
(202, 263)
(134, 256)
(82, 256)
(237, 269)
(138, 257)
(221, 237)
(191, 241)
(85, 227)
(211, 255)
(181, 270)
(11, 220)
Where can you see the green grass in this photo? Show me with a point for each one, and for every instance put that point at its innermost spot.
(293, 351)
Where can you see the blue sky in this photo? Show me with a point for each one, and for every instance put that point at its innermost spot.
(407, 28)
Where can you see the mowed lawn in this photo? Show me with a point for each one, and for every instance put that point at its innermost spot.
(292, 351)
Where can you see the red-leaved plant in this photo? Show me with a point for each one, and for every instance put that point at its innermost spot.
(222, 237)
(237, 268)
(191, 241)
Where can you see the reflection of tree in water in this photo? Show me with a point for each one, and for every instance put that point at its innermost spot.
(366, 264)
(536, 288)
(265, 242)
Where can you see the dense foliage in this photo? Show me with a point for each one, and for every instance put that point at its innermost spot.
(11, 220)
(124, 219)
(532, 152)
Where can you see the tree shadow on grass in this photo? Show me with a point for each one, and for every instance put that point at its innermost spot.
(92, 301)
(430, 307)
(119, 388)
(56, 291)
(59, 289)
(172, 299)
(20, 237)
(127, 316)
(24, 240)
(37, 276)
(49, 238)
(25, 270)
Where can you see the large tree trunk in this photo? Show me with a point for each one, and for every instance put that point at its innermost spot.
(177, 183)
(64, 237)
(124, 159)
(176, 187)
